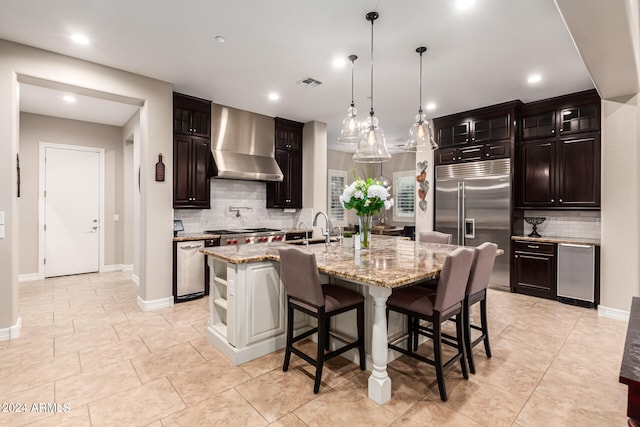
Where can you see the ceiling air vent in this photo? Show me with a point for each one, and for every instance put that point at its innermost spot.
(309, 81)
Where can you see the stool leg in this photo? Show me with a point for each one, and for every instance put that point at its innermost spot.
(322, 336)
(485, 325)
(287, 351)
(467, 336)
(415, 323)
(327, 327)
(437, 353)
(360, 325)
(461, 344)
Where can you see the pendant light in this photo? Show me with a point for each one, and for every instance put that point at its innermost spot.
(420, 135)
(372, 147)
(351, 129)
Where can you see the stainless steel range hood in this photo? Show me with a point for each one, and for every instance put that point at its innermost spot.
(243, 145)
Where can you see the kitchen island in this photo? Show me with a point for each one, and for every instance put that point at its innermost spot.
(247, 300)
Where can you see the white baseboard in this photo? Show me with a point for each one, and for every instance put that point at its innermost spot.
(28, 277)
(135, 279)
(127, 267)
(612, 313)
(155, 304)
(11, 332)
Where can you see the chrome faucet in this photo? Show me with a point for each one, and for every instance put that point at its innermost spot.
(326, 232)
(306, 232)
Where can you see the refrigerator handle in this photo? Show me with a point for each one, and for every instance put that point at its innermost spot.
(461, 213)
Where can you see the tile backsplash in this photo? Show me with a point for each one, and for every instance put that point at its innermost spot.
(226, 193)
(567, 223)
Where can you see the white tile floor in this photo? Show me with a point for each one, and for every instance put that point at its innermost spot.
(85, 343)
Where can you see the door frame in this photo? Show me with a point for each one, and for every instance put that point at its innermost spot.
(41, 201)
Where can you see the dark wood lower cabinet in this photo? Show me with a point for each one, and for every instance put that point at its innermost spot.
(534, 269)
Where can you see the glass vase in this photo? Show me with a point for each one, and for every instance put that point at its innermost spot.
(365, 222)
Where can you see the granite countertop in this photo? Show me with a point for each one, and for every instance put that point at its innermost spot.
(558, 239)
(186, 237)
(390, 263)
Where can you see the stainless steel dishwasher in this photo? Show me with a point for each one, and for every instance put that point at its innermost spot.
(190, 271)
(576, 274)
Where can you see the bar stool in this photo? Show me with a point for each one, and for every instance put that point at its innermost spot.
(434, 237)
(305, 293)
(420, 303)
(484, 259)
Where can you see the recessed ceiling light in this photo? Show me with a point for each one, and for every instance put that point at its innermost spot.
(465, 4)
(80, 39)
(339, 62)
(69, 98)
(431, 106)
(534, 78)
(219, 39)
(274, 96)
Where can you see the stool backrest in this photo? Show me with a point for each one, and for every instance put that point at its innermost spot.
(453, 279)
(434, 237)
(483, 260)
(299, 274)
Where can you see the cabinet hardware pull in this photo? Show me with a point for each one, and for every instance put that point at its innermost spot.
(470, 150)
(571, 141)
(533, 246)
(553, 130)
(560, 200)
(551, 200)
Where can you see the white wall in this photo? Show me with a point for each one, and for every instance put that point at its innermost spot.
(620, 252)
(21, 62)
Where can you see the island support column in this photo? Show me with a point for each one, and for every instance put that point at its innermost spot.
(379, 381)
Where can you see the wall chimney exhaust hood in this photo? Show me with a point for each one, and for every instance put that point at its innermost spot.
(242, 144)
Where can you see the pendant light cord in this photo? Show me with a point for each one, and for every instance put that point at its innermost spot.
(420, 107)
(373, 19)
(353, 60)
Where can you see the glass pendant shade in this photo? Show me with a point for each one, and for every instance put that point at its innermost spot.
(372, 147)
(420, 135)
(351, 129)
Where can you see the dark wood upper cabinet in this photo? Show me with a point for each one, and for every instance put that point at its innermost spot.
(558, 157)
(288, 155)
(191, 115)
(537, 171)
(191, 152)
(481, 134)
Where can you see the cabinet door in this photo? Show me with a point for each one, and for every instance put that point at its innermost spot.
(446, 156)
(537, 174)
(535, 274)
(201, 151)
(497, 150)
(491, 129)
(454, 135)
(579, 172)
(471, 154)
(181, 171)
(540, 125)
(581, 118)
(181, 120)
(200, 122)
(265, 303)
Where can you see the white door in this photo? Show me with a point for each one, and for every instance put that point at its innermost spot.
(72, 211)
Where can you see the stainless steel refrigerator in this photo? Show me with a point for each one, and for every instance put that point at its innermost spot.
(473, 202)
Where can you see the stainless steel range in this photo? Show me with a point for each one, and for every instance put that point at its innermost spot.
(248, 236)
